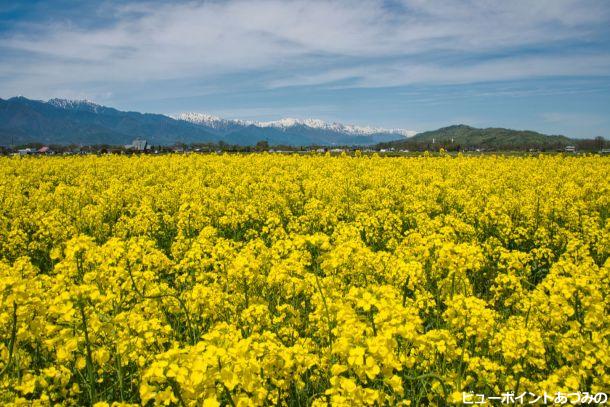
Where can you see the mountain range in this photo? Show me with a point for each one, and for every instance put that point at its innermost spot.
(62, 121)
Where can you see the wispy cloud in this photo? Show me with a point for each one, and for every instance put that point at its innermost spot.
(497, 69)
(573, 118)
(368, 43)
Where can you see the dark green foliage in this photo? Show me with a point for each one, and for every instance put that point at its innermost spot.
(462, 137)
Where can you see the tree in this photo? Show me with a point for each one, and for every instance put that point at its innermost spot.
(600, 142)
(262, 145)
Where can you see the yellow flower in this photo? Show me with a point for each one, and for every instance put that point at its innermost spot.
(258, 279)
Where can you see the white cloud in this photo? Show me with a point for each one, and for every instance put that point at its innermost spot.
(304, 42)
(510, 68)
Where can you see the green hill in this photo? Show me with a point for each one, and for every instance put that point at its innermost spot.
(491, 138)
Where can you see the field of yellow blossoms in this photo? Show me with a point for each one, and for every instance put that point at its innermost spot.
(248, 280)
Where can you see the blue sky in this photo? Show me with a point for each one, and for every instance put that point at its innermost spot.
(417, 64)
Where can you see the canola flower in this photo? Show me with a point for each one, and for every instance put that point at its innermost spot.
(249, 280)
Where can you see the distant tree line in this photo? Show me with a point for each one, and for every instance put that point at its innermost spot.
(584, 145)
(589, 145)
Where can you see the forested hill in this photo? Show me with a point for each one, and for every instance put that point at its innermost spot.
(493, 138)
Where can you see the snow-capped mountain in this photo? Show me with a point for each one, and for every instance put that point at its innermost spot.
(64, 121)
(289, 124)
(75, 104)
(334, 126)
(210, 121)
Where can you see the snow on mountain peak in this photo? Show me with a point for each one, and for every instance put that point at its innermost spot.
(334, 126)
(287, 123)
(209, 120)
(75, 104)
(198, 117)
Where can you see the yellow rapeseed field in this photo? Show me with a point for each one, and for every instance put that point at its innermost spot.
(248, 280)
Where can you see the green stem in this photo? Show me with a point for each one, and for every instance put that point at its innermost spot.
(181, 303)
(120, 375)
(325, 311)
(89, 357)
(11, 346)
(431, 376)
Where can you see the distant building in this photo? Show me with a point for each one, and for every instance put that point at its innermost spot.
(138, 145)
(26, 151)
(45, 150)
(570, 149)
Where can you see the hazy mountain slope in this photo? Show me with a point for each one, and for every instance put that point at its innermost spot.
(80, 122)
(23, 121)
